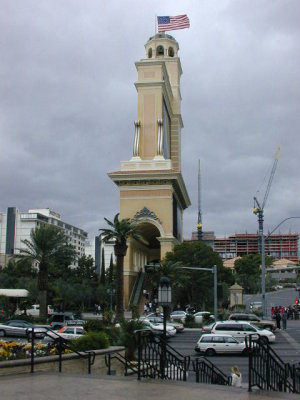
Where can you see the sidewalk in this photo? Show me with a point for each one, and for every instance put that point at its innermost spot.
(73, 387)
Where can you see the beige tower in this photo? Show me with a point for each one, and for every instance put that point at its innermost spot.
(152, 190)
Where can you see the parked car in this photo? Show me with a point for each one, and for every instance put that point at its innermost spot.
(240, 330)
(158, 328)
(20, 328)
(178, 315)
(200, 316)
(256, 306)
(67, 332)
(210, 345)
(254, 320)
(207, 328)
(58, 320)
(159, 319)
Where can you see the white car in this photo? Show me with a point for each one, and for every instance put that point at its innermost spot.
(211, 344)
(201, 315)
(241, 329)
(157, 318)
(178, 315)
(66, 332)
(158, 328)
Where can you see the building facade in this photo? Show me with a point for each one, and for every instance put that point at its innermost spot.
(94, 248)
(277, 246)
(152, 190)
(16, 226)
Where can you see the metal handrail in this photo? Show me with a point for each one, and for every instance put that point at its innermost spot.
(268, 371)
(61, 344)
(210, 373)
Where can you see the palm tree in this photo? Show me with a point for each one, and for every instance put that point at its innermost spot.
(47, 246)
(120, 231)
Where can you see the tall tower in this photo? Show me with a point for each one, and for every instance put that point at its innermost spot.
(152, 190)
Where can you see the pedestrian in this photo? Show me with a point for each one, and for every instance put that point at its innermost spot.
(95, 309)
(236, 377)
(145, 308)
(99, 309)
(284, 318)
(278, 319)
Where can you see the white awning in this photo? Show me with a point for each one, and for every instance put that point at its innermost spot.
(14, 292)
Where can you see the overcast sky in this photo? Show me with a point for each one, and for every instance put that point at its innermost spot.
(68, 103)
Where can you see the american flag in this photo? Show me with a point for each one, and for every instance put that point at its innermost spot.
(172, 23)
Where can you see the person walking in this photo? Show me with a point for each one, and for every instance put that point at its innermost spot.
(278, 319)
(284, 319)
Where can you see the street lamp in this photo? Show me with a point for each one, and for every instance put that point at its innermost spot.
(165, 297)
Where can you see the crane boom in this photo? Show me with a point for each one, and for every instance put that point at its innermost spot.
(271, 178)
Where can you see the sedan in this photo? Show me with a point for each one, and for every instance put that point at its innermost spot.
(211, 344)
(20, 328)
(153, 318)
(67, 332)
(178, 315)
(158, 328)
(200, 316)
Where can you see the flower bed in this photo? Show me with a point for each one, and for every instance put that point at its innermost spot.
(17, 350)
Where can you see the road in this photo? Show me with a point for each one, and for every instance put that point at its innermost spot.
(282, 297)
(287, 346)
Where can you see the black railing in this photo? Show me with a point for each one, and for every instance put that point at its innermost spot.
(268, 371)
(61, 344)
(156, 359)
(129, 366)
(207, 372)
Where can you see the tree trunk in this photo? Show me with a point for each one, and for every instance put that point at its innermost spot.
(43, 290)
(120, 252)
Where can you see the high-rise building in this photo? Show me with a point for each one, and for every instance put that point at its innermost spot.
(277, 246)
(16, 226)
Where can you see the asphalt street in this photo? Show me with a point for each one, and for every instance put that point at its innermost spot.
(287, 346)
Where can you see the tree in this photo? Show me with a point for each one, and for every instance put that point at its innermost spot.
(120, 231)
(47, 246)
(248, 272)
(195, 287)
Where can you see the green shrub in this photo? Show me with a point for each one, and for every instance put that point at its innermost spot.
(91, 341)
(93, 325)
(128, 338)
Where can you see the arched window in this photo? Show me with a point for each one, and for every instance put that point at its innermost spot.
(160, 51)
(150, 53)
(171, 52)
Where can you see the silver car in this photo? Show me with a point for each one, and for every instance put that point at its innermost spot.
(20, 328)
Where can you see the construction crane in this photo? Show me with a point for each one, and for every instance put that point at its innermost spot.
(259, 211)
(199, 223)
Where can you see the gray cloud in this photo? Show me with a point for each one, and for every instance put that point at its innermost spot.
(68, 102)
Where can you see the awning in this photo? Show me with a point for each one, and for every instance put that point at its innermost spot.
(14, 292)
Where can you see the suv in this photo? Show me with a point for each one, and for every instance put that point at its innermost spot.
(240, 330)
(254, 320)
(58, 320)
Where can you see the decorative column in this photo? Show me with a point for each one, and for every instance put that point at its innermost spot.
(136, 143)
(159, 143)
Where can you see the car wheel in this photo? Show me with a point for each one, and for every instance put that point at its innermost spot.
(2, 333)
(210, 352)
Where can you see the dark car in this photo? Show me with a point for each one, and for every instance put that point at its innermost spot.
(253, 319)
(58, 320)
(20, 328)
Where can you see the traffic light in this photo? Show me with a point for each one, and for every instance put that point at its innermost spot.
(296, 301)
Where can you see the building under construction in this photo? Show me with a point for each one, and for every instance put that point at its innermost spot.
(277, 245)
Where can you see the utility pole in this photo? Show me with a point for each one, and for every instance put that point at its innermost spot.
(199, 223)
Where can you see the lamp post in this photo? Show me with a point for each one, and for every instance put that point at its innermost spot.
(165, 300)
